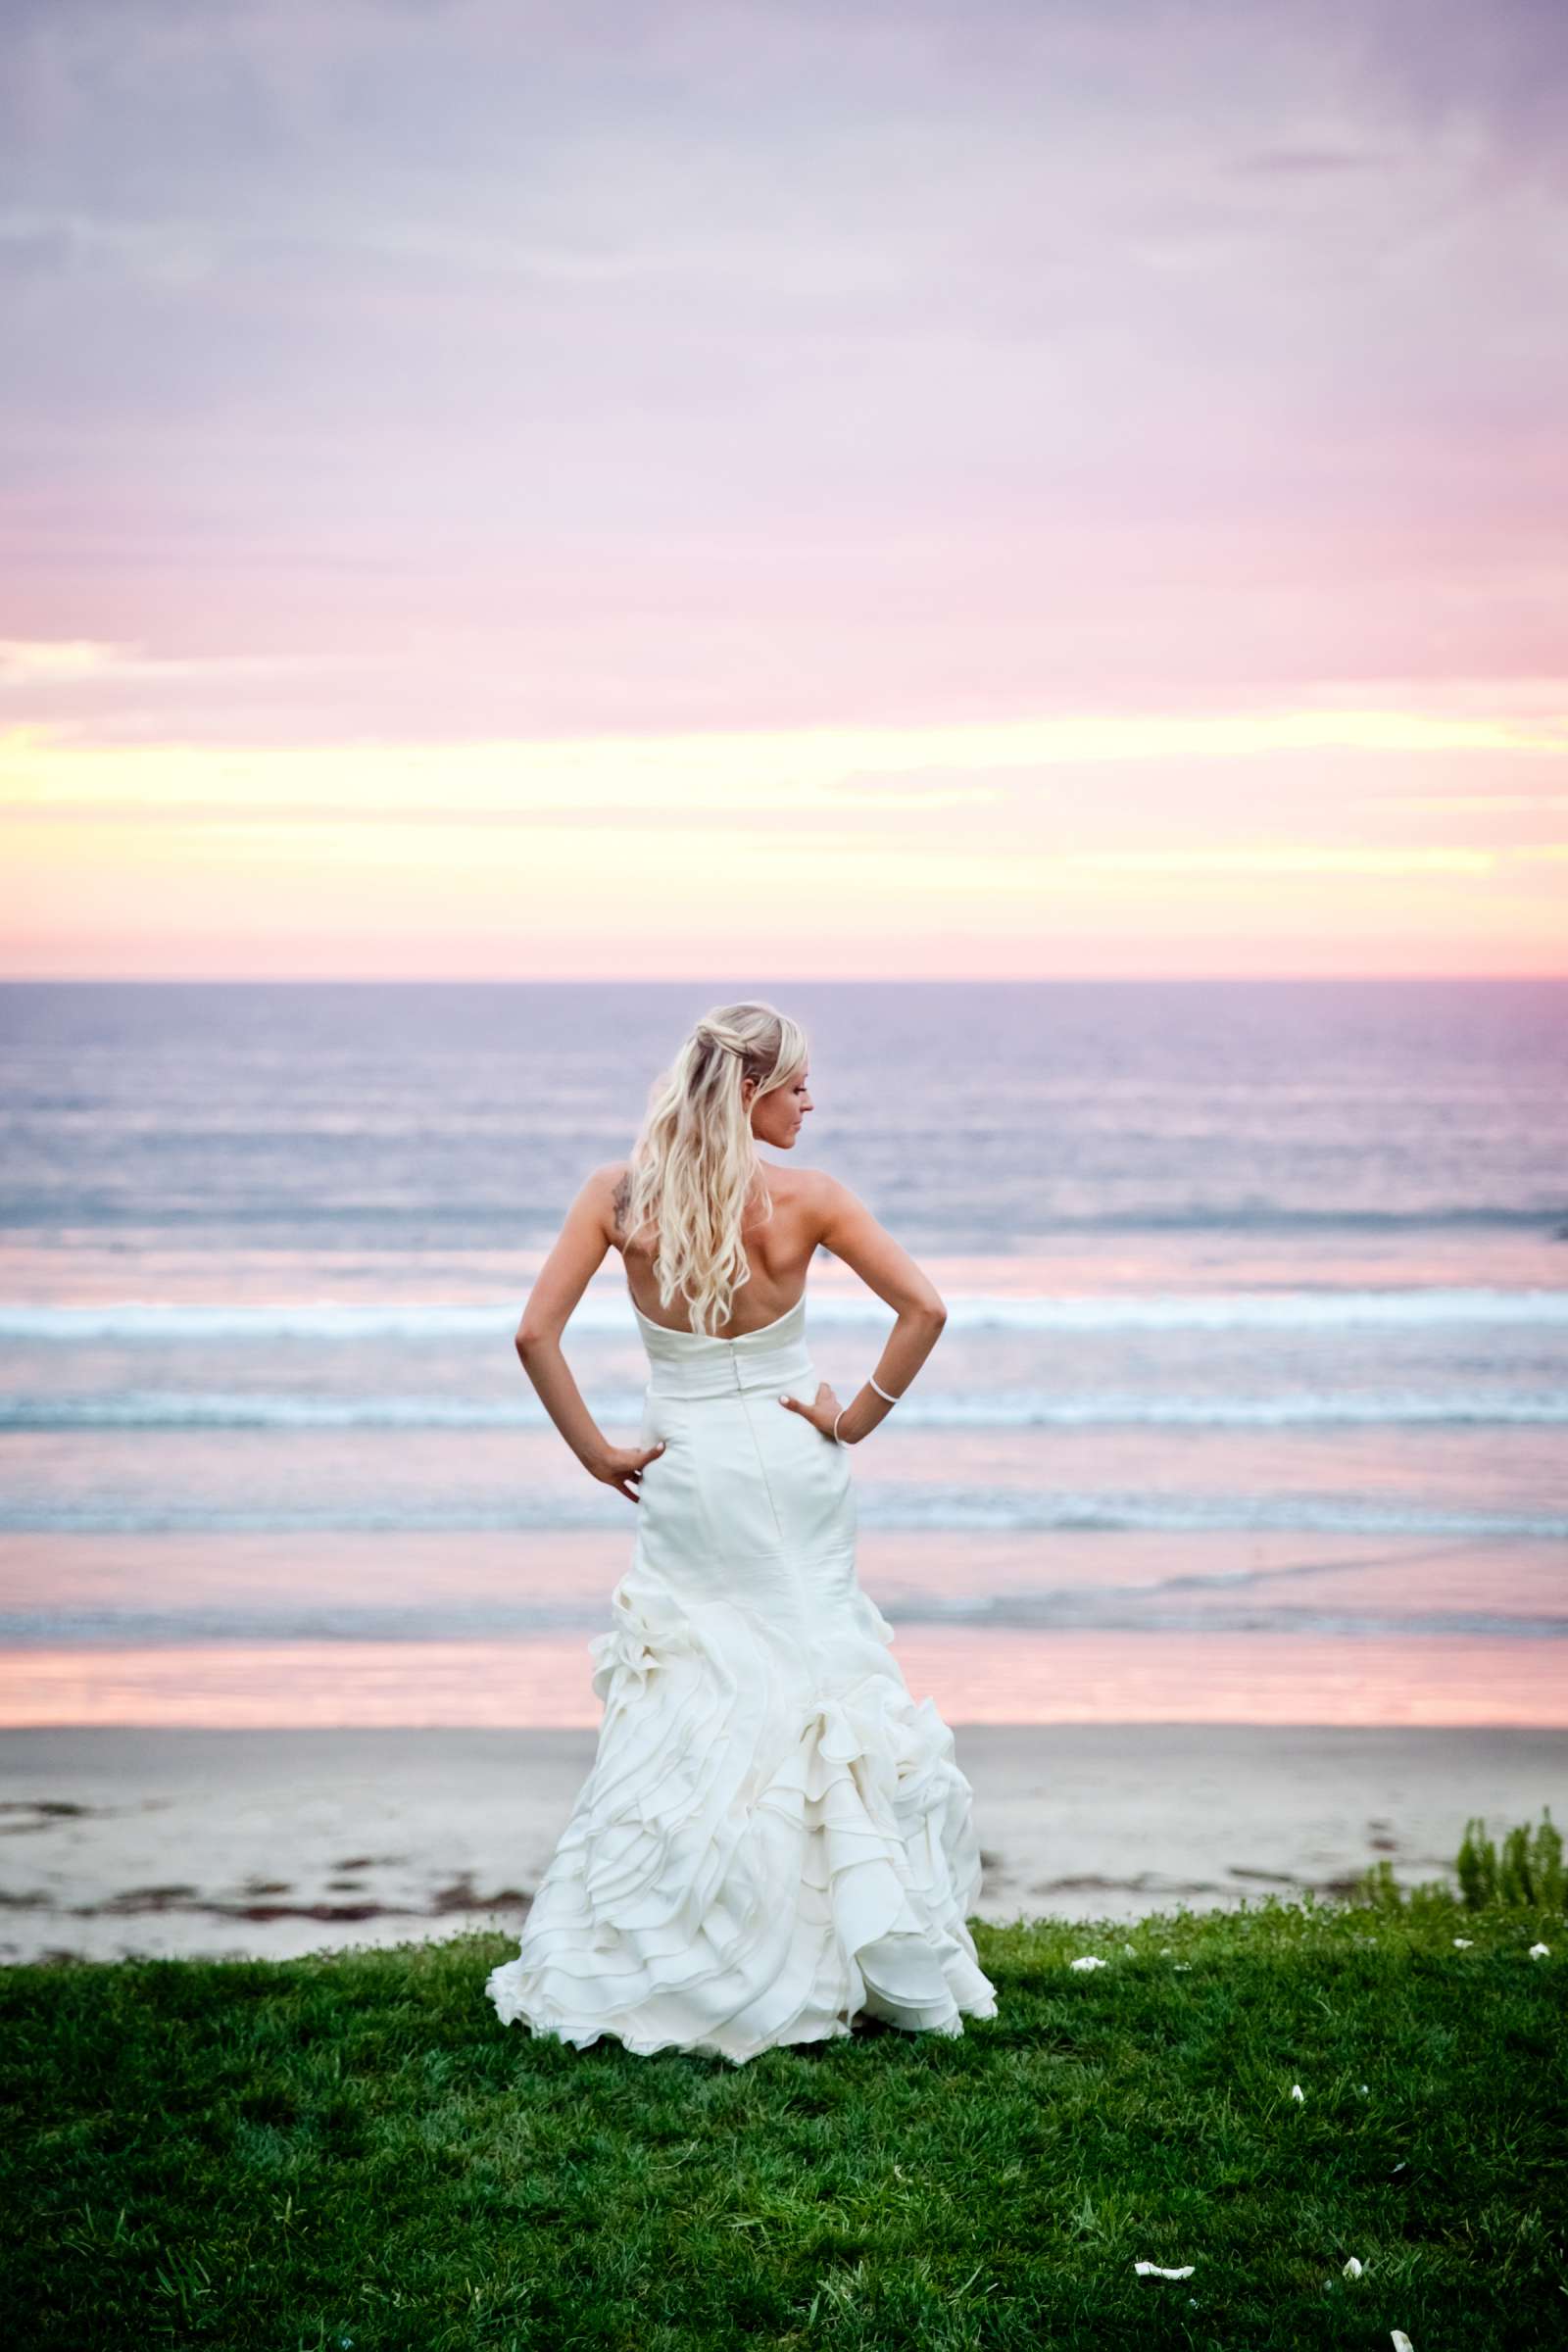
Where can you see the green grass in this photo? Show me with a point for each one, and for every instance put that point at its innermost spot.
(292, 2154)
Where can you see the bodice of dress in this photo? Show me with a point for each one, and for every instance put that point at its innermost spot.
(692, 1364)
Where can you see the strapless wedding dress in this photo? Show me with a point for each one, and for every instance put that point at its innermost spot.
(773, 1837)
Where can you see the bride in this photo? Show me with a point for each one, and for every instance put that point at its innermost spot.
(773, 1837)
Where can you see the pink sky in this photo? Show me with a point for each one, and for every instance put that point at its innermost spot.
(981, 490)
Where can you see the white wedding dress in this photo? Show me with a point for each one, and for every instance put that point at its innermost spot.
(773, 1837)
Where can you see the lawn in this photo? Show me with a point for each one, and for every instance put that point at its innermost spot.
(350, 2151)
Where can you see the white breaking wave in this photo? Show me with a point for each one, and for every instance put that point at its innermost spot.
(344, 1322)
(949, 1509)
(290, 1619)
(1012, 1408)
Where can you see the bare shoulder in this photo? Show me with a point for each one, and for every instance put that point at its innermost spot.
(791, 1183)
(849, 1230)
(818, 1184)
(608, 1187)
(800, 1187)
(828, 1203)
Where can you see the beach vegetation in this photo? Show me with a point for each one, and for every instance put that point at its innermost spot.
(1527, 1874)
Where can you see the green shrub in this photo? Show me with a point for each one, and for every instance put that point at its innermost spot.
(1528, 1875)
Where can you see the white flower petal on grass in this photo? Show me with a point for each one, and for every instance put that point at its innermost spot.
(1352, 2269)
(1297, 2092)
(1402, 2342)
(1088, 1961)
(1540, 1951)
(1363, 2088)
(1461, 1943)
(1177, 1966)
(1153, 2270)
(1127, 1947)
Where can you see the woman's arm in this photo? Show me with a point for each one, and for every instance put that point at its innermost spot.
(579, 1251)
(849, 1231)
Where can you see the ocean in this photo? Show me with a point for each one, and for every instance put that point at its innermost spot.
(1252, 1406)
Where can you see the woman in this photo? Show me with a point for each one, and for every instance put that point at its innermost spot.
(773, 1837)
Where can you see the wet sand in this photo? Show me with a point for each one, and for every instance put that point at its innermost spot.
(118, 1840)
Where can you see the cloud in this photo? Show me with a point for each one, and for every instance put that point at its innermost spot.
(705, 363)
(933, 765)
(57, 662)
(1310, 163)
(26, 664)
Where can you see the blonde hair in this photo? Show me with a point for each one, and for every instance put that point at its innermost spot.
(694, 1166)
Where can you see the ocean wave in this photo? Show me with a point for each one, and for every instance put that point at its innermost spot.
(1067, 1611)
(957, 1223)
(343, 1322)
(998, 1410)
(942, 1509)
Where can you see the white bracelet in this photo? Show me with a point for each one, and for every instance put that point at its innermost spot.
(843, 1408)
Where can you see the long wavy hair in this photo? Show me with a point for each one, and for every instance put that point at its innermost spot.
(694, 1168)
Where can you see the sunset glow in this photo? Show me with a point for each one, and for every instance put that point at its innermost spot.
(1103, 517)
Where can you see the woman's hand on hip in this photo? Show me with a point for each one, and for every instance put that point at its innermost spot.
(821, 1413)
(621, 1467)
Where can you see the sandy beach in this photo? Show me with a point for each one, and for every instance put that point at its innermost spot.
(116, 1840)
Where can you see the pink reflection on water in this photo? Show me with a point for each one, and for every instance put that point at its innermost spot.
(971, 1674)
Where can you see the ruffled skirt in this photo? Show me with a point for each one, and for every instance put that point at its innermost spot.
(774, 1837)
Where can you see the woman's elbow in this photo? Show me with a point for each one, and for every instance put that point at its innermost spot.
(530, 1338)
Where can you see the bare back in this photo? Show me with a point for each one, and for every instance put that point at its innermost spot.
(779, 1250)
(812, 1211)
